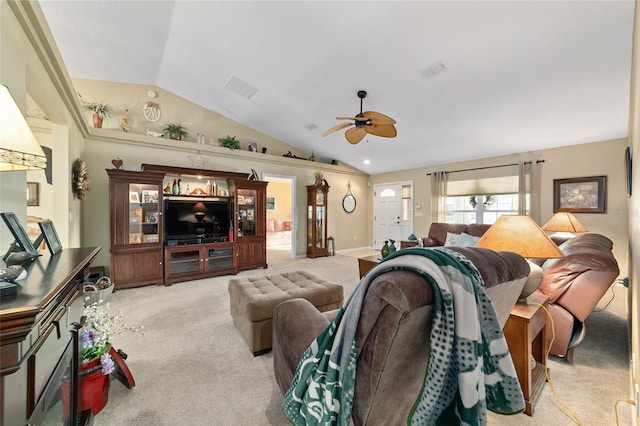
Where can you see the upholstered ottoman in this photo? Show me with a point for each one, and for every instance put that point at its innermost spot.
(253, 300)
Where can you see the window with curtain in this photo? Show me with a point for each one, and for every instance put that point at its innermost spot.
(481, 196)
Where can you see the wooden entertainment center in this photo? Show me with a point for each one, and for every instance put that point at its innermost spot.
(170, 224)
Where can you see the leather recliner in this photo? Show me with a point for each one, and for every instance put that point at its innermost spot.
(575, 284)
(393, 336)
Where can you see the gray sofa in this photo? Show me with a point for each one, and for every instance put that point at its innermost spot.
(393, 334)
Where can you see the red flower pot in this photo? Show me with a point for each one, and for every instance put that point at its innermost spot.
(94, 386)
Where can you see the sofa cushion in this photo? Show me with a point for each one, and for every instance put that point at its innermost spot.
(438, 231)
(466, 240)
(452, 239)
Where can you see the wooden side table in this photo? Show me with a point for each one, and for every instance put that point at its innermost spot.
(526, 335)
(408, 243)
(366, 263)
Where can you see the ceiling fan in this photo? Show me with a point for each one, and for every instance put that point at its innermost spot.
(370, 122)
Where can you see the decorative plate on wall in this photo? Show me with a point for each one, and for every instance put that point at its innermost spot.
(80, 179)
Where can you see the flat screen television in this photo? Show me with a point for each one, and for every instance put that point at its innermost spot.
(196, 221)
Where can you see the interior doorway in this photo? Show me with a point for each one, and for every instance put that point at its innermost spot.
(280, 214)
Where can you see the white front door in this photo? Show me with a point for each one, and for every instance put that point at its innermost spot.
(388, 214)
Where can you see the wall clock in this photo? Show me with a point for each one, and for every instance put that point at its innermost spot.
(80, 179)
(349, 201)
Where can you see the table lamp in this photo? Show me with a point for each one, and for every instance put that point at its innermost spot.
(565, 225)
(19, 149)
(521, 234)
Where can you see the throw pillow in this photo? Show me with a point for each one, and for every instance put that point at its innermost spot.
(451, 239)
(466, 240)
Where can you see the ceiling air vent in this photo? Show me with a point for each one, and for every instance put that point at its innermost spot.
(433, 69)
(240, 87)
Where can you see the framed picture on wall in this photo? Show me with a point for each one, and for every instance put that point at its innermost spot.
(580, 195)
(33, 196)
(271, 204)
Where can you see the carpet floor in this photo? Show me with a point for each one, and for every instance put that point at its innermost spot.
(192, 366)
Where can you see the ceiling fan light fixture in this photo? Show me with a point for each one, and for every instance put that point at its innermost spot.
(363, 123)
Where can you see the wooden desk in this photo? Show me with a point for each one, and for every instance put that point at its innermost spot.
(366, 263)
(526, 335)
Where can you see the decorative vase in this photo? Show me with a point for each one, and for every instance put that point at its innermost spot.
(385, 249)
(94, 386)
(97, 121)
(392, 246)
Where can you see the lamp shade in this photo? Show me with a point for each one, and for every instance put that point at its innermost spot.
(519, 234)
(564, 222)
(19, 149)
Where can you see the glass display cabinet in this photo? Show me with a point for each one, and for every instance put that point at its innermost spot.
(317, 219)
(135, 228)
(251, 232)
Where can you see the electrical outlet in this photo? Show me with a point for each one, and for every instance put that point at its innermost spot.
(625, 282)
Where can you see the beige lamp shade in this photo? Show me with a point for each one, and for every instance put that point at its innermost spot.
(564, 222)
(519, 234)
(19, 149)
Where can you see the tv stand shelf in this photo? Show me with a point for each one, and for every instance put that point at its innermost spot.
(195, 261)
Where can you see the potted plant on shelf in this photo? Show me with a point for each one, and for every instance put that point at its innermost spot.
(175, 131)
(100, 110)
(229, 142)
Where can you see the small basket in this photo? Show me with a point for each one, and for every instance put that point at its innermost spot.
(98, 293)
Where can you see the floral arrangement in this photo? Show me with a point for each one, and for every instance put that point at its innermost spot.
(99, 327)
(101, 108)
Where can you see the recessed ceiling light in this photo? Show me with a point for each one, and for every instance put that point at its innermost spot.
(367, 162)
(311, 126)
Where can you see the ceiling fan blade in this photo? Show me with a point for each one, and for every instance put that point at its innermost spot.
(384, 131)
(378, 118)
(355, 134)
(336, 128)
(349, 118)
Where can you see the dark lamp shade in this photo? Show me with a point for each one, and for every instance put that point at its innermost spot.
(199, 208)
(519, 234)
(564, 222)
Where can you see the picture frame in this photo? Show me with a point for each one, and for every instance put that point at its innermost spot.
(250, 214)
(248, 200)
(271, 204)
(151, 217)
(33, 194)
(134, 197)
(21, 238)
(628, 167)
(241, 199)
(50, 236)
(580, 195)
(252, 146)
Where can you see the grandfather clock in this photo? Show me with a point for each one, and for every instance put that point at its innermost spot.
(317, 219)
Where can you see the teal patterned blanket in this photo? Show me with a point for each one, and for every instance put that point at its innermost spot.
(469, 370)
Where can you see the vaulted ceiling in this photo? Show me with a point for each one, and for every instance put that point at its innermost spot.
(516, 76)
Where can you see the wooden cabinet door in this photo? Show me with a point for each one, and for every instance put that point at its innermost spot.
(252, 253)
(133, 268)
